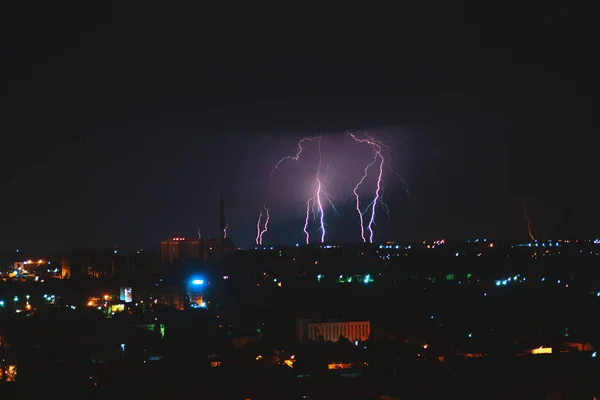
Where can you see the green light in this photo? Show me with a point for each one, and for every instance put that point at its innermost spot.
(16, 298)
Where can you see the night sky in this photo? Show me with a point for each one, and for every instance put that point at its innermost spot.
(121, 126)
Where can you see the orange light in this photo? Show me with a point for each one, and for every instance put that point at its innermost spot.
(106, 297)
(425, 346)
(339, 366)
(90, 303)
(542, 350)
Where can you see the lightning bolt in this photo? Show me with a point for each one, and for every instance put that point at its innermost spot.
(528, 222)
(225, 231)
(258, 227)
(325, 179)
(261, 231)
(377, 158)
(295, 157)
(388, 165)
(355, 191)
(315, 203)
(318, 195)
(308, 209)
(199, 233)
(266, 227)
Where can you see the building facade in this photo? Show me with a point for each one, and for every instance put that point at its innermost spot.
(331, 331)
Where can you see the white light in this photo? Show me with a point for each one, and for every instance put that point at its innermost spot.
(198, 282)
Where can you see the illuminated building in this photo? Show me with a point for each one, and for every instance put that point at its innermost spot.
(331, 331)
(65, 269)
(125, 294)
(541, 350)
(35, 269)
(195, 293)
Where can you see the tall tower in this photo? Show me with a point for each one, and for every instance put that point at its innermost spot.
(222, 216)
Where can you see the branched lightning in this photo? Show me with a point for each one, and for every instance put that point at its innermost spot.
(528, 222)
(258, 228)
(295, 157)
(266, 227)
(315, 203)
(377, 158)
(360, 214)
(261, 231)
(319, 198)
(318, 195)
(327, 197)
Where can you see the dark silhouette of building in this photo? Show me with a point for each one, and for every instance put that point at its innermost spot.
(179, 249)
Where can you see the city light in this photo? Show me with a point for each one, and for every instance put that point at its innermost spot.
(542, 350)
(198, 282)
